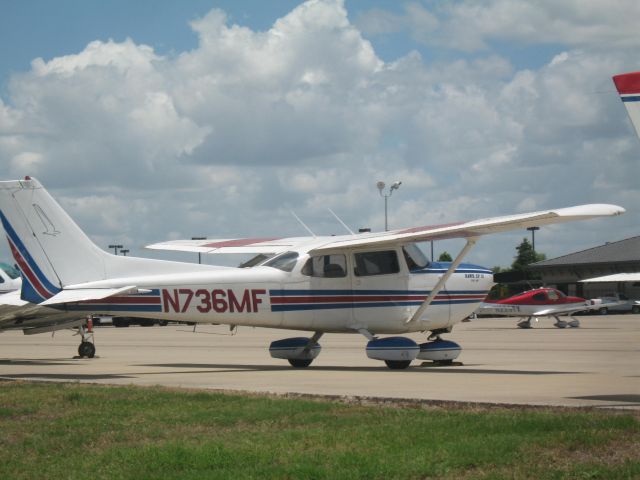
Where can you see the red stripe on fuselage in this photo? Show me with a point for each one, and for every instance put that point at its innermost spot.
(368, 298)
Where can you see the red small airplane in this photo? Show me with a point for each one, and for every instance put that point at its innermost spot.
(540, 302)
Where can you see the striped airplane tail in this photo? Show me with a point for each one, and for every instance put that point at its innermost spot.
(628, 86)
(56, 256)
(47, 245)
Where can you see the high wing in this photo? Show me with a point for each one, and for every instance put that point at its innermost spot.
(232, 245)
(471, 229)
(476, 228)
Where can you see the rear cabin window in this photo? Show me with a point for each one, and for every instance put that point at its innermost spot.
(376, 263)
(540, 297)
(326, 266)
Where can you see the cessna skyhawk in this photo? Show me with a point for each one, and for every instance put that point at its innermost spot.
(371, 284)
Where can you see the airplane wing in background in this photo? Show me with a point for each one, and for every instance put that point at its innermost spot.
(616, 277)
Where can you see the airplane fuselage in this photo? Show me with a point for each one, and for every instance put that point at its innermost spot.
(267, 297)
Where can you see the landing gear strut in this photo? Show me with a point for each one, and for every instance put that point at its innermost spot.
(86, 349)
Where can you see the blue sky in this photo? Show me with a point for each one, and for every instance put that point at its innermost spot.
(42, 28)
(234, 112)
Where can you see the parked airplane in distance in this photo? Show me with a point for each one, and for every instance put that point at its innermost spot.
(541, 302)
(9, 278)
(628, 86)
(371, 283)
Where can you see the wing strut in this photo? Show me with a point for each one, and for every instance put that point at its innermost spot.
(436, 290)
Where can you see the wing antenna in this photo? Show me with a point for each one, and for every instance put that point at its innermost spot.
(302, 223)
(341, 222)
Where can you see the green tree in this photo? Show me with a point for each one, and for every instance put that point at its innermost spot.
(526, 256)
(445, 257)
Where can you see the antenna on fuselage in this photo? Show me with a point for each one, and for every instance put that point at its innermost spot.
(302, 223)
(341, 222)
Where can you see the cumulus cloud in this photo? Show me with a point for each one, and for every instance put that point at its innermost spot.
(472, 25)
(224, 140)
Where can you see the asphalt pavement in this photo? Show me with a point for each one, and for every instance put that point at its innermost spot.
(596, 365)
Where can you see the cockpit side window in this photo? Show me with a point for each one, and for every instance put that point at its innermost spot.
(284, 262)
(376, 263)
(415, 258)
(326, 266)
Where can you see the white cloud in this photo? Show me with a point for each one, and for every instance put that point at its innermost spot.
(225, 139)
(471, 25)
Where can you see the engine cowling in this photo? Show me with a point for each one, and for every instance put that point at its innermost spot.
(393, 349)
(294, 348)
(439, 351)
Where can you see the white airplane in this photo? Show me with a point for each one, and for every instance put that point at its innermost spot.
(371, 284)
(9, 278)
(628, 86)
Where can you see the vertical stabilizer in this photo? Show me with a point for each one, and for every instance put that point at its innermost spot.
(628, 85)
(54, 253)
(47, 245)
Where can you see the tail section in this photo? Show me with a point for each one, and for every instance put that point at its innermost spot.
(53, 252)
(628, 85)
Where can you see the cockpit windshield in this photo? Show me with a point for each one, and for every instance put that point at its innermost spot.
(256, 260)
(12, 272)
(285, 261)
(416, 259)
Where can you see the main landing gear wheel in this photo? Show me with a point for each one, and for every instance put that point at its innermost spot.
(87, 350)
(300, 363)
(398, 364)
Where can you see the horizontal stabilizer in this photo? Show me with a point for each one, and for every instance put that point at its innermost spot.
(87, 294)
(13, 299)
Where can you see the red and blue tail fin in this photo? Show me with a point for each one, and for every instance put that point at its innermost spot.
(628, 85)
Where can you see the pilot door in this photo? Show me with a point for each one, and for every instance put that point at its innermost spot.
(329, 291)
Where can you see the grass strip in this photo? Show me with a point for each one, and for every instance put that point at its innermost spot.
(52, 430)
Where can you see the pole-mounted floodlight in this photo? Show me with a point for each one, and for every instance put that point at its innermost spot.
(115, 248)
(124, 251)
(394, 186)
(533, 237)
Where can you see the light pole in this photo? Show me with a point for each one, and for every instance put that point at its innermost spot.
(199, 254)
(394, 186)
(533, 237)
(115, 248)
(124, 251)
